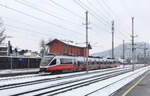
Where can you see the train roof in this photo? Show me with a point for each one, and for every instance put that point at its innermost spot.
(80, 57)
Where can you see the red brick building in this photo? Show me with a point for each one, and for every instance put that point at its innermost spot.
(60, 47)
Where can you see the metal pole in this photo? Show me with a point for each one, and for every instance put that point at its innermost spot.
(113, 40)
(133, 49)
(145, 54)
(28, 63)
(11, 66)
(123, 57)
(8, 49)
(87, 53)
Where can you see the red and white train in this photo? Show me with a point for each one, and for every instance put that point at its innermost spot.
(62, 63)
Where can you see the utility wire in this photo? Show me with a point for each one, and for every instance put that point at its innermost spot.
(83, 7)
(99, 11)
(95, 13)
(37, 18)
(33, 31)
(45, 12)
(109, 8)
(59, 5)
(94, 16)
(105, 9)
(13, 29)
(26, 29)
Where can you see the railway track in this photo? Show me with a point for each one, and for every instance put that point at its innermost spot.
(62, 84)
(44, 74)
(9, 86)
(70, 85)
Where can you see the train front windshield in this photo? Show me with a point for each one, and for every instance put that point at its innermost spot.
(45, 61)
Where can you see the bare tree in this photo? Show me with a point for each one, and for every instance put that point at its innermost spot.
(2, 36)
(42, 47)
(2, 30)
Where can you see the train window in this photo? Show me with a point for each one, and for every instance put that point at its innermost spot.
(46, 60)
(95, 62)
(66, 61)
(92, 62)
(80, 63)
(53, 62)
(89, 62)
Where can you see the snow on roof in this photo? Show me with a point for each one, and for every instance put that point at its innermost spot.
(68, 42)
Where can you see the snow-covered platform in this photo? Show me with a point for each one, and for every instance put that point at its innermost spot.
(138, 87)
(104, 82)
(13, 72)
(107, 87)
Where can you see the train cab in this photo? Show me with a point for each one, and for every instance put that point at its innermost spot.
(47, 61)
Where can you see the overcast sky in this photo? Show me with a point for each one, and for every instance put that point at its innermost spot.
(30, 21)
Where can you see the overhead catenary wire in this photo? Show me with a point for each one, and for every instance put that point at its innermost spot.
(31, 5)
(94, 13)
(14, 30)
(105, 9)
(110, 10)
(97, 17)
(31, 26)
(108, 15)
(61, 6)
(90, 13)
(34, 31)
(37, 18)
(108, 7)
(26, 29)
(99, 11)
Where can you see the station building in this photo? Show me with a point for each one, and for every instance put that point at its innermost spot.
(61, 47)
(3, 50)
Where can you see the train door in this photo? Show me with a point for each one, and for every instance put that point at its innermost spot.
(75, 65)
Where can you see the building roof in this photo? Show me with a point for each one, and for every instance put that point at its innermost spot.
(66, 43)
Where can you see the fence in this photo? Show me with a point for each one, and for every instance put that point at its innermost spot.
(18, 62)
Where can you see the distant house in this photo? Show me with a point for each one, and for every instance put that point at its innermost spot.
(3, 50)
(61, 47)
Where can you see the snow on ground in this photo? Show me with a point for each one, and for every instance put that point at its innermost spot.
(106, 87)
(19, 79)
(46, 84)
(12, 71)
(33, 77)
(7, 82)
(77, 92)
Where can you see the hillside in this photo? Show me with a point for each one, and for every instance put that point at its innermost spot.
(119, 50)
